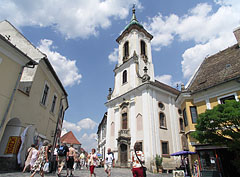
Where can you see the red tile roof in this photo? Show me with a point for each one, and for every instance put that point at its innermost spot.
(69, 138)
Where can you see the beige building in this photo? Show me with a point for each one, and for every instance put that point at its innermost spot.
(39, 103)
(216, 80)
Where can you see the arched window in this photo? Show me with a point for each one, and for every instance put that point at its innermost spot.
(124, 77)
(124, 118)
(181, 124)
(126, 50)
(162, 120)
(143, 48)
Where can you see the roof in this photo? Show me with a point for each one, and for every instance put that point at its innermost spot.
(134, 24)
(69, 138)
(20, 41)
(10, 44)
(165, 87)
(217, 69)
(17, 39)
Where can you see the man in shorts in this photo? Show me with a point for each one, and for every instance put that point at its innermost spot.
(109, 162)
(62, 156)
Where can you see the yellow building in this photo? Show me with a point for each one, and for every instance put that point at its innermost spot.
(216, 80)
(37, 109)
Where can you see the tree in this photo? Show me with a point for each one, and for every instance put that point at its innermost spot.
(221, 126)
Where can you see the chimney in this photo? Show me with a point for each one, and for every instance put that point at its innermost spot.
(237, 35)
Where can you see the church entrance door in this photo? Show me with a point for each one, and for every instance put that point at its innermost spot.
(124, 155)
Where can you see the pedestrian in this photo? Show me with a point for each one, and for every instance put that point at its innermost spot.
(54, 165)
(109, 162)
(49, 157)
(70, 160)
(41, 160)
(34, 156)
(137, 156)
(76, 161)
(92, 162)
(28, 158)
(62, 156)
(82, 157)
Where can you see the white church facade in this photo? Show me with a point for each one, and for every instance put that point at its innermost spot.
(139, 108)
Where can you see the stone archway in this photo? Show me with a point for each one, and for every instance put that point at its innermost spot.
(10, 144)
(12, 130)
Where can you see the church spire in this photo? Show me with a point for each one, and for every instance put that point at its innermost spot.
(133, 13)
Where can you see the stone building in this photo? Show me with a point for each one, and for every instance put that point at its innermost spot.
(39, 101)
(139, 108)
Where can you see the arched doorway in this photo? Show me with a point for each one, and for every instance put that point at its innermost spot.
(10, 144)
(123, 155)
(9, 140)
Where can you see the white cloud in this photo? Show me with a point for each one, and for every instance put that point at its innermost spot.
(113, 57)
(167, 79)
(65, 68)
(64, 131)
(79, 18)
(89, 141)
(87, 123)
(68, 126)
(211, 31)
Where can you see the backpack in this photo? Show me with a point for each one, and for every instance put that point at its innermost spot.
(61, 151)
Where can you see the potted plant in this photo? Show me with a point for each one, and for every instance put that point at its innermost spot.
(158, 161)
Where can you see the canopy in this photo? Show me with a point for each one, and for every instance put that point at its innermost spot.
(182, 153)
(99, 155)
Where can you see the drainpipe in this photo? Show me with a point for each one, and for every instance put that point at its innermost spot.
(30, 64)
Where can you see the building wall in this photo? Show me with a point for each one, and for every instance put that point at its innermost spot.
(11, 64)
(143, 106)
(39, 115)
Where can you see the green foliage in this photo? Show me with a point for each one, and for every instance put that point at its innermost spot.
(220, 125)
(158, 160)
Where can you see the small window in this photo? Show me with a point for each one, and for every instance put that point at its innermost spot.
(165, 148)
(181, 124)
(161, 105)
(162, 120)
(185, 118)
(231, 97)
(124, 77)
(53, 103)
(124, 121)
(45, 94)
(126, 50)
(194, 114)
(143, 48)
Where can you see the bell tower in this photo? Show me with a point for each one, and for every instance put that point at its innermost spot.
(135, 58)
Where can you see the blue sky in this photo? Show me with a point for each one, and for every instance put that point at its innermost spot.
(79, 38)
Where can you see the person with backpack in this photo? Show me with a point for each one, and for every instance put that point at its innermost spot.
(62, 156)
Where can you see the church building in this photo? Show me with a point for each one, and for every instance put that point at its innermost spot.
(140, 108)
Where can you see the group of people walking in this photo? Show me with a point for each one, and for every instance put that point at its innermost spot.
(66, 156)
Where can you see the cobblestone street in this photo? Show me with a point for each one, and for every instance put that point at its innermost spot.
(116, 172)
